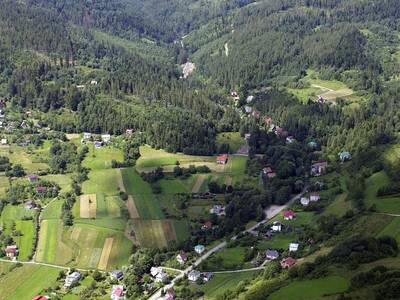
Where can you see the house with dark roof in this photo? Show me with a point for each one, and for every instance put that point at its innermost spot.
(117, 275)
(318, 168)
(271, 254)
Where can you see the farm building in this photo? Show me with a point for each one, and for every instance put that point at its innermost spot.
(117, 292)
(293, 247)
(11, 251)
(71, 279)
(271, 254)
(194, 275)
(181, 257)
(117, 275)
(222, 159)
(199, 249)
(289, 214)
(276, 226)
(287, 262)
(318, 168)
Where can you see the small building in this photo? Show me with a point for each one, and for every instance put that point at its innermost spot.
(344, 155)
(321, 99)
(106, 138)
(290, 139)
(182, 258)
(222, 159)
(268, 172)
(87, 135)
(33, 178)
(199, 249)
(288, 262)
(117, 292)
(305, 201)
(161, 277)
(169, 295)
(271, 175)
(314, 197)
(154, 271)
(80, 86)
(267, 121)
(247, 136)
(250, 99)
(293, 247)
(318, 168)
(271, 254)
(276, 226)
(207, 225)
(72, 279)
(218, 209)
(30, 205)
(207, 276)
(11, 251)
(24, 125)
(193, 275)
(98, 144)
(248, 109)
(93, 82)
(117, 275)
(4, 142)
(234, 94)
(129, 131)
(289, 214)
(40, 189)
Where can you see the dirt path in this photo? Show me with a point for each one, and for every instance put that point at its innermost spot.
(228, 180)
(120, 182)
(197, 185)
(105, 254)
(133, 212)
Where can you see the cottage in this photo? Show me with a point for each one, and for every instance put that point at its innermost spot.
(222, 159)
(117, 292)
(314, 197)
(87, 135)
(4, 142)
(305, 201)
(106, 138)
(271, 254)
(11, 251)
(207, 276)
(289, 214)
(33, 178)
(287, 262)
(199, 249)
(276, 226)
(193, 275)
(207, 226)
(72, 279)
(218, 209)
(181, 258)
(293, 247)
(249, 99)
(318, 168)
(117, 275)
(248, 109)
(344, 155)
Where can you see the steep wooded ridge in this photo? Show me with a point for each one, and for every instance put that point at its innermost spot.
(325, 71)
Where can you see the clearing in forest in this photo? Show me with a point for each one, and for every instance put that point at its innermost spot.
(88, 206)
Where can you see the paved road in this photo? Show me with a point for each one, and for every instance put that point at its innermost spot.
(271, 212)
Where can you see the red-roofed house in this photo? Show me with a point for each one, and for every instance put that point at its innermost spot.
(207, 225)
(222, 159)
(287, 262)
(117, 292)
(289, 214)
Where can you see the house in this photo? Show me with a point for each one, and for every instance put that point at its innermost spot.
(117, 275)
(287, 262)
(305, 201)
(293, 247)
(271, 175)
(11, 251)
(181, 257)
(318, 168)
(249, 99)
(30, 205)
(154, 271)
(87, 135)
(80, 86)
(271, 254)
(4, 141)
(276, 226)
(28, 113)
(207, 226)
(222, 159)
(321, 100)
(106, 138)
(255, 114)
(72, 279)
(314, 197)
(218, 209)
(267, 121)
(24, 125)
(33, 178)
(344, 155)
(248, 109)
(161, 277)
(234, 94)
(312, 145)
(129, 131)
(93, 82)
(40, 297)
(193, 275)
(290, 139)
(199, 249)
(40, 189)
(207, 276)
(247, 136)
(170, 294)
(289, 214)
(117, 292)
(269, 172)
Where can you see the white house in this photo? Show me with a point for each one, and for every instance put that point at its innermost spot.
(87, 135)
(4, 141)
(249, 99)
(71, 279)
(304, 201)
(276, 226)
(293, 247)
(194, 275)
(314, 197)
(162, 277)
(154, 271)
(106, 138)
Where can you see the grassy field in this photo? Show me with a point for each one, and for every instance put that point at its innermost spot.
(279, 241)
(223, 282)
(311, 289)
(232, 258)
(25, 241)
(233, 139)
(23, 282)
(63, 180)
(53, 210)
(392, 229)
(302, 218)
